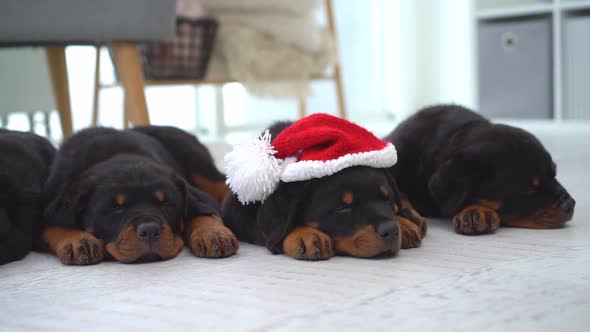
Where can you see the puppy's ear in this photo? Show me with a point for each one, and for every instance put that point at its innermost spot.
(195, 201)
(66, 206)
(453, 181)
(279, 213)
(5, 224)
(397, 200)
(449, 186)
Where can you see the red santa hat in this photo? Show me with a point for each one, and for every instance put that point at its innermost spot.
(316, 146)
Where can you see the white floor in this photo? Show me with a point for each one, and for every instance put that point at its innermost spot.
(517, 280)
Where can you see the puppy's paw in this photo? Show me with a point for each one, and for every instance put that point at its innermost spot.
(211, 239)
(476, 219)
(82, 249)
(307, 243)
(411, 234)
(414, 217)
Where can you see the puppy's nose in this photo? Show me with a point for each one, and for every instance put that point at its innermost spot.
(388, 230)
(149, 231)
(567, 205)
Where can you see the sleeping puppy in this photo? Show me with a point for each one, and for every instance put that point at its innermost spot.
(24, 167)
(355, 211)
(126, 195)
(455, 163)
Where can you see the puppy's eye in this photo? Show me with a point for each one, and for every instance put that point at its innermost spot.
(384, 193)
(119, 202)
(115, 207)
(344, 208)
(166, 203)
(529, 192)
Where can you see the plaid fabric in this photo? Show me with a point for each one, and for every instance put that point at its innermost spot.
(185, 57)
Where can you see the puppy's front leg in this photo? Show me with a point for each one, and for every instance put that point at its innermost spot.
(73, 246)
(410, 233)
(308, 243)
(410, 214)
(208, 237)
(477, 219)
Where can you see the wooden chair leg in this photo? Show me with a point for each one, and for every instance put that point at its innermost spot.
(56, 60)
(128, 66)
(96, 87)
(125, 118)
(302, 107)
(342, 112)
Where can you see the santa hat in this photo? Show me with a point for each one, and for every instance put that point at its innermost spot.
(316, 146)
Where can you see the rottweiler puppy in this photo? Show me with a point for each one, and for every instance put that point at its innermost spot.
(134, 195)
(454, 163)
(24, 167)
(355, 212)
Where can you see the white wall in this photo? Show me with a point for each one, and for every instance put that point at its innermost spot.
(437, 52)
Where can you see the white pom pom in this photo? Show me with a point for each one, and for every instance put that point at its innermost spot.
(253, 172)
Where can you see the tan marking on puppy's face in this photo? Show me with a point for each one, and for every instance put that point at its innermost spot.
(536, 182)
(347, 198)
(160, 196)
(383, 189)
(128, 248)
(547, 218)
(120, 199)
(366, 243)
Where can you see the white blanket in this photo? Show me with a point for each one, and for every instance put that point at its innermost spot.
(515, 280)
(260, 42)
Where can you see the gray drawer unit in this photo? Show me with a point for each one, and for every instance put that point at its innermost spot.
(576, 34)
(515, 68)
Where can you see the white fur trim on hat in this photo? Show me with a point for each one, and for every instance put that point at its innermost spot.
(310, 169)
(253, 173)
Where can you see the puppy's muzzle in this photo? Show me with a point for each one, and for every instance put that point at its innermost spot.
(149, 231)
(388, 232)
(566, 204)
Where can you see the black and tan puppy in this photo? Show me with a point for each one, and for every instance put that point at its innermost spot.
(24, 167)
(127, 195)
(455, 163)
(355, 211)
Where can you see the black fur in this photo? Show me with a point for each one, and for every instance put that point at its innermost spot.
(180, 145)
(24, 167)
(96, 164)
(316, 202)
(450, 157)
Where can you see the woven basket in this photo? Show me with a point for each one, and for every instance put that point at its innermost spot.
(185, 57)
